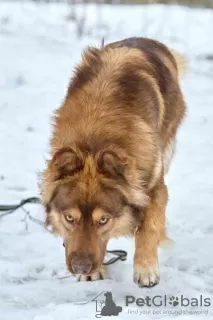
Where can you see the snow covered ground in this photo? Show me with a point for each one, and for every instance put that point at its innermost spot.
(38, 49)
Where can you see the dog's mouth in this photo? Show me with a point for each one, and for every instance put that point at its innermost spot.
(87, 274)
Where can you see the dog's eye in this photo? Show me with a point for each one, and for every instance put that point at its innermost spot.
(69, 218)
(103, 221)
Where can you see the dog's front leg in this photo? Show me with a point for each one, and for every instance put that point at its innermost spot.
(148, 236)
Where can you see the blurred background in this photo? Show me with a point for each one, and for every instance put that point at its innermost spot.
(40, 44)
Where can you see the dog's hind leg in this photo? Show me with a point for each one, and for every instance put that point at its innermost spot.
(148, 236)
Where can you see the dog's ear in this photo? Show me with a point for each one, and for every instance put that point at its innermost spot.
(66, 163)
(112, 164)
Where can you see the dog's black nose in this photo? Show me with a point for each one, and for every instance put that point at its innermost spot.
(81, 266)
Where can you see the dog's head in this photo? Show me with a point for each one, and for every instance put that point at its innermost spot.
(90, 199)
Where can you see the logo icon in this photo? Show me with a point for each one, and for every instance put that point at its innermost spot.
(105, 305)
(174, 301)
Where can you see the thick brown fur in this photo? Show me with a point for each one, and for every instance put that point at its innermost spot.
(112, 143)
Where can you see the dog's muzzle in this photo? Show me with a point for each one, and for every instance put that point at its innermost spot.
(81, 266)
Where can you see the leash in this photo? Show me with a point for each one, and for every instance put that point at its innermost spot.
(120, 255)
(9, 209)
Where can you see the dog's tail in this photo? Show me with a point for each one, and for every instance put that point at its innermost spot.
(182, 63)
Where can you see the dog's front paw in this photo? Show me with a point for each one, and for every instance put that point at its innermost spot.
(146, 276)
(98, 275)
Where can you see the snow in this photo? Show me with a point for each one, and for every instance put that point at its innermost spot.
(38, 49)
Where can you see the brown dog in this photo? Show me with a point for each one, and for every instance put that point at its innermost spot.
(112, 143)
